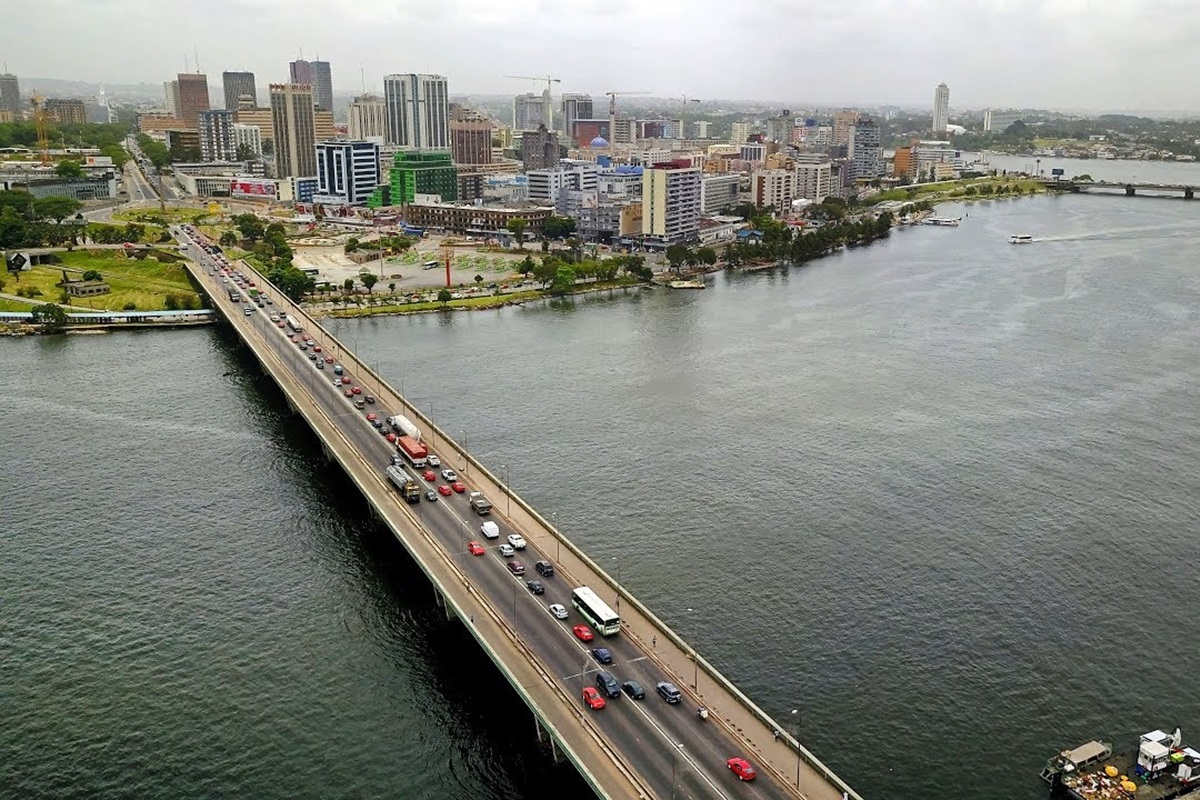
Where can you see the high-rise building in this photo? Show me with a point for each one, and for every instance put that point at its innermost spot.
(740, 133)
(529, 111)
(779, 127)
(323, 125)
(193, 97)
(171, 97)
(539, 149)
(347, 172)
(941, 108)
(317, 75)
(216, 136)
(416, 173)
(718, 192)
(702, 126)
(418, 111)
(865, 150)
(843, 125)
(671, 203)
(10, 95)
(238, 85)
(987, 119)
(471, 141)
(574, 106)
(814, 176)
(367, 120)
(260, 118)
(247, 139)
(66, 112)
(293, 121)
(775, 188)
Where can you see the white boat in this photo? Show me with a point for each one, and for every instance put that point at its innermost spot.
(1020, 238)
(946, 221)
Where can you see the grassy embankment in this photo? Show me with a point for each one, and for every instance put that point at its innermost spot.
(144, 283)
(968, 189)
(15, 305)
(487, 301)
(157, 216)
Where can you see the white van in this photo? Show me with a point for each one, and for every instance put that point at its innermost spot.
(490, 529)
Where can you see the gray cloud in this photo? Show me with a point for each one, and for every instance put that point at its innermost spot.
(1120, 54)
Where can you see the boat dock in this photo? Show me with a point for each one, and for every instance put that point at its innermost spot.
(1158, 770)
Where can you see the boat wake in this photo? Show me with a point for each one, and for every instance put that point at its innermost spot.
(1119, 233)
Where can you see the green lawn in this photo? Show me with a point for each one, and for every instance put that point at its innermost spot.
(489, 301)
(159, 216)
(145, 283)
(14, 305)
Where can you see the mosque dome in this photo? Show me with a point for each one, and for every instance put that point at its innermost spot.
(599, 141)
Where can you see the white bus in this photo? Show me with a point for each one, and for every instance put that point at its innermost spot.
(293, 324)
(596, 611)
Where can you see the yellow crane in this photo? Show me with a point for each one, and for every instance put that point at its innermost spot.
(547, 104)
(612, 114)
(39, 121)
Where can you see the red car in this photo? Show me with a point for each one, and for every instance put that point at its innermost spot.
(372, 416)
(356, 390)
(429, 475)
(475, 548)
(279, 324)
(349, 393)
(583, 633)
(316, 348)
(292, 338)
(593, 699)
(391, 437)
(444, 490)
(458, 486)
(742, 768)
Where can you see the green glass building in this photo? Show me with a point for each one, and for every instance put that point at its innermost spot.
(416, 172)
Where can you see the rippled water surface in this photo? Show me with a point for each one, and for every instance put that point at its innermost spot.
(939, 494)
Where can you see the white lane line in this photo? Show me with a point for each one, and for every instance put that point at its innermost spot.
(687, 756)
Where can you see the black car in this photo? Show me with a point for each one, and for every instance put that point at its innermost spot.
(603, 655)
(634, 690)
(536, 587)
(431, 496)
(544, 568)
(608, 684)
(370, 399)
(669, 692)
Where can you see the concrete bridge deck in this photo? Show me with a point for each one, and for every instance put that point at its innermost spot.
(629, 749)
(1129, 188)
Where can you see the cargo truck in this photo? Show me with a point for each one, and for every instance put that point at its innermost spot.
(405, 427)
(413, 451)
(480, 504)
(408, 488)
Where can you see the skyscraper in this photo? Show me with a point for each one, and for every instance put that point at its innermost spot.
(671, 202)
(317, 74)
(295, 130)
(865, 150)
(238, 84)
(539, 149)
(10, 95)
(843, 126)
(471, 141)
(347, 172)
(575, 106)
(171, 97)
(216, 136)
(740, 133)
(193, 97)
(367, 120)
(941, 108)
(418, 111)
(529, 111)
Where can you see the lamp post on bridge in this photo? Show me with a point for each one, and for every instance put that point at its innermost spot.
(507, 492)
(617, 562)
(796, 739)
(695, 665)
(466, 463)
(674, 762)
(557, 537)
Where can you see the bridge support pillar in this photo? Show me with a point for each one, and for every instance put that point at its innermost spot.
(1129, 190)
(1189, 193)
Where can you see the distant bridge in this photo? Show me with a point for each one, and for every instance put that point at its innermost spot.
(1130, 189)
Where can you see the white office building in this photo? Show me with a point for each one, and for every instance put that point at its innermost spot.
(249, 136)
(774, 188)
(814, 177)
(216, 136)
(671, 204)
(347, 172)
(418, 111)
(367, 118)
(546, 185)
(718, 192)
(941, 108)
(740, 133)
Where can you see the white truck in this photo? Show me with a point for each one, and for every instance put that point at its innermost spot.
(405, 427)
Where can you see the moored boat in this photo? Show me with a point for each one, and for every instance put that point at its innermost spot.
(1159, 769)
(944, 221)
(1020, 238)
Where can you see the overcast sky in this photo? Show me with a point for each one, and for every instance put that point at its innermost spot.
(1094, 54)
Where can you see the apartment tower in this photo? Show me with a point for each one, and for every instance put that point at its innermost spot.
(238, 85)
(295, 130)
(418, 111)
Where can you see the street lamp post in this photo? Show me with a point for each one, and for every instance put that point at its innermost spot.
(796, 722)
(617, 562)
(557, 537)
(466, 464)
(507, 492)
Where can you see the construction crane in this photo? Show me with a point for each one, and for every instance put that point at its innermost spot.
(39, 121)
(612, 114)
(547, 104)
(685, 100)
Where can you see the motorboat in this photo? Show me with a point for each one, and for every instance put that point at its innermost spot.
(1020, 238)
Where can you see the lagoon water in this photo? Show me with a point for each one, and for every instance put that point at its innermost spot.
(940, 494)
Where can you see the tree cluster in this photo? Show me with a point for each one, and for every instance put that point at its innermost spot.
(781, 242)
(560, 275)
(25, 220)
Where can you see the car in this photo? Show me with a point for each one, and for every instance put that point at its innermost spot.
(608, 684)
(372, 416)
(303, 346)
(450, 475)
(536, 587)
(279, 324)
(458, 487)
(292, 337)
(349, 393)
(583, 633)
(517, 541)
(668, 691)
(357, 390)
(328, 359)
(545, 569)
(369, 398)
(431, 496)
(444, 490)
(274, 318)
(391, 437)
(320, 364)
(429, 475)
(490, 529)
(558, 610)
(270, 302)
(433, 460)
(338, 369)
(634, 690)
(312, 356)
(603, 655)
(316, 348)
(742, 768)
(337, 381)
(507, 551)
(358, 403)
(475, 548)
(516, 568)
(378, 423)
(593, 699)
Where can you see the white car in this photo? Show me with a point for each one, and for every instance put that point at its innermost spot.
(433, 460)
(490, 530)
(559, 611)
(337, 381)
(517, 541)
(450, 475)
(507, 551)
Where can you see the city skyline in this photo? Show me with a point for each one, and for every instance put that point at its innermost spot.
(1077, 57)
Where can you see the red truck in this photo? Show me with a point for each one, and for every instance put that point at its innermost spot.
(413, 451)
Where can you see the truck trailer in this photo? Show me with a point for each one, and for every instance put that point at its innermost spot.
(404, 483)
(413, 451)
(405, 427)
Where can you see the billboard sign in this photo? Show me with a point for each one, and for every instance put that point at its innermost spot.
(1058, 172)
(253, 188)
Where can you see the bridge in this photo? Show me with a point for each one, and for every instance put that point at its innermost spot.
(1130, 189)
(629, 749)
